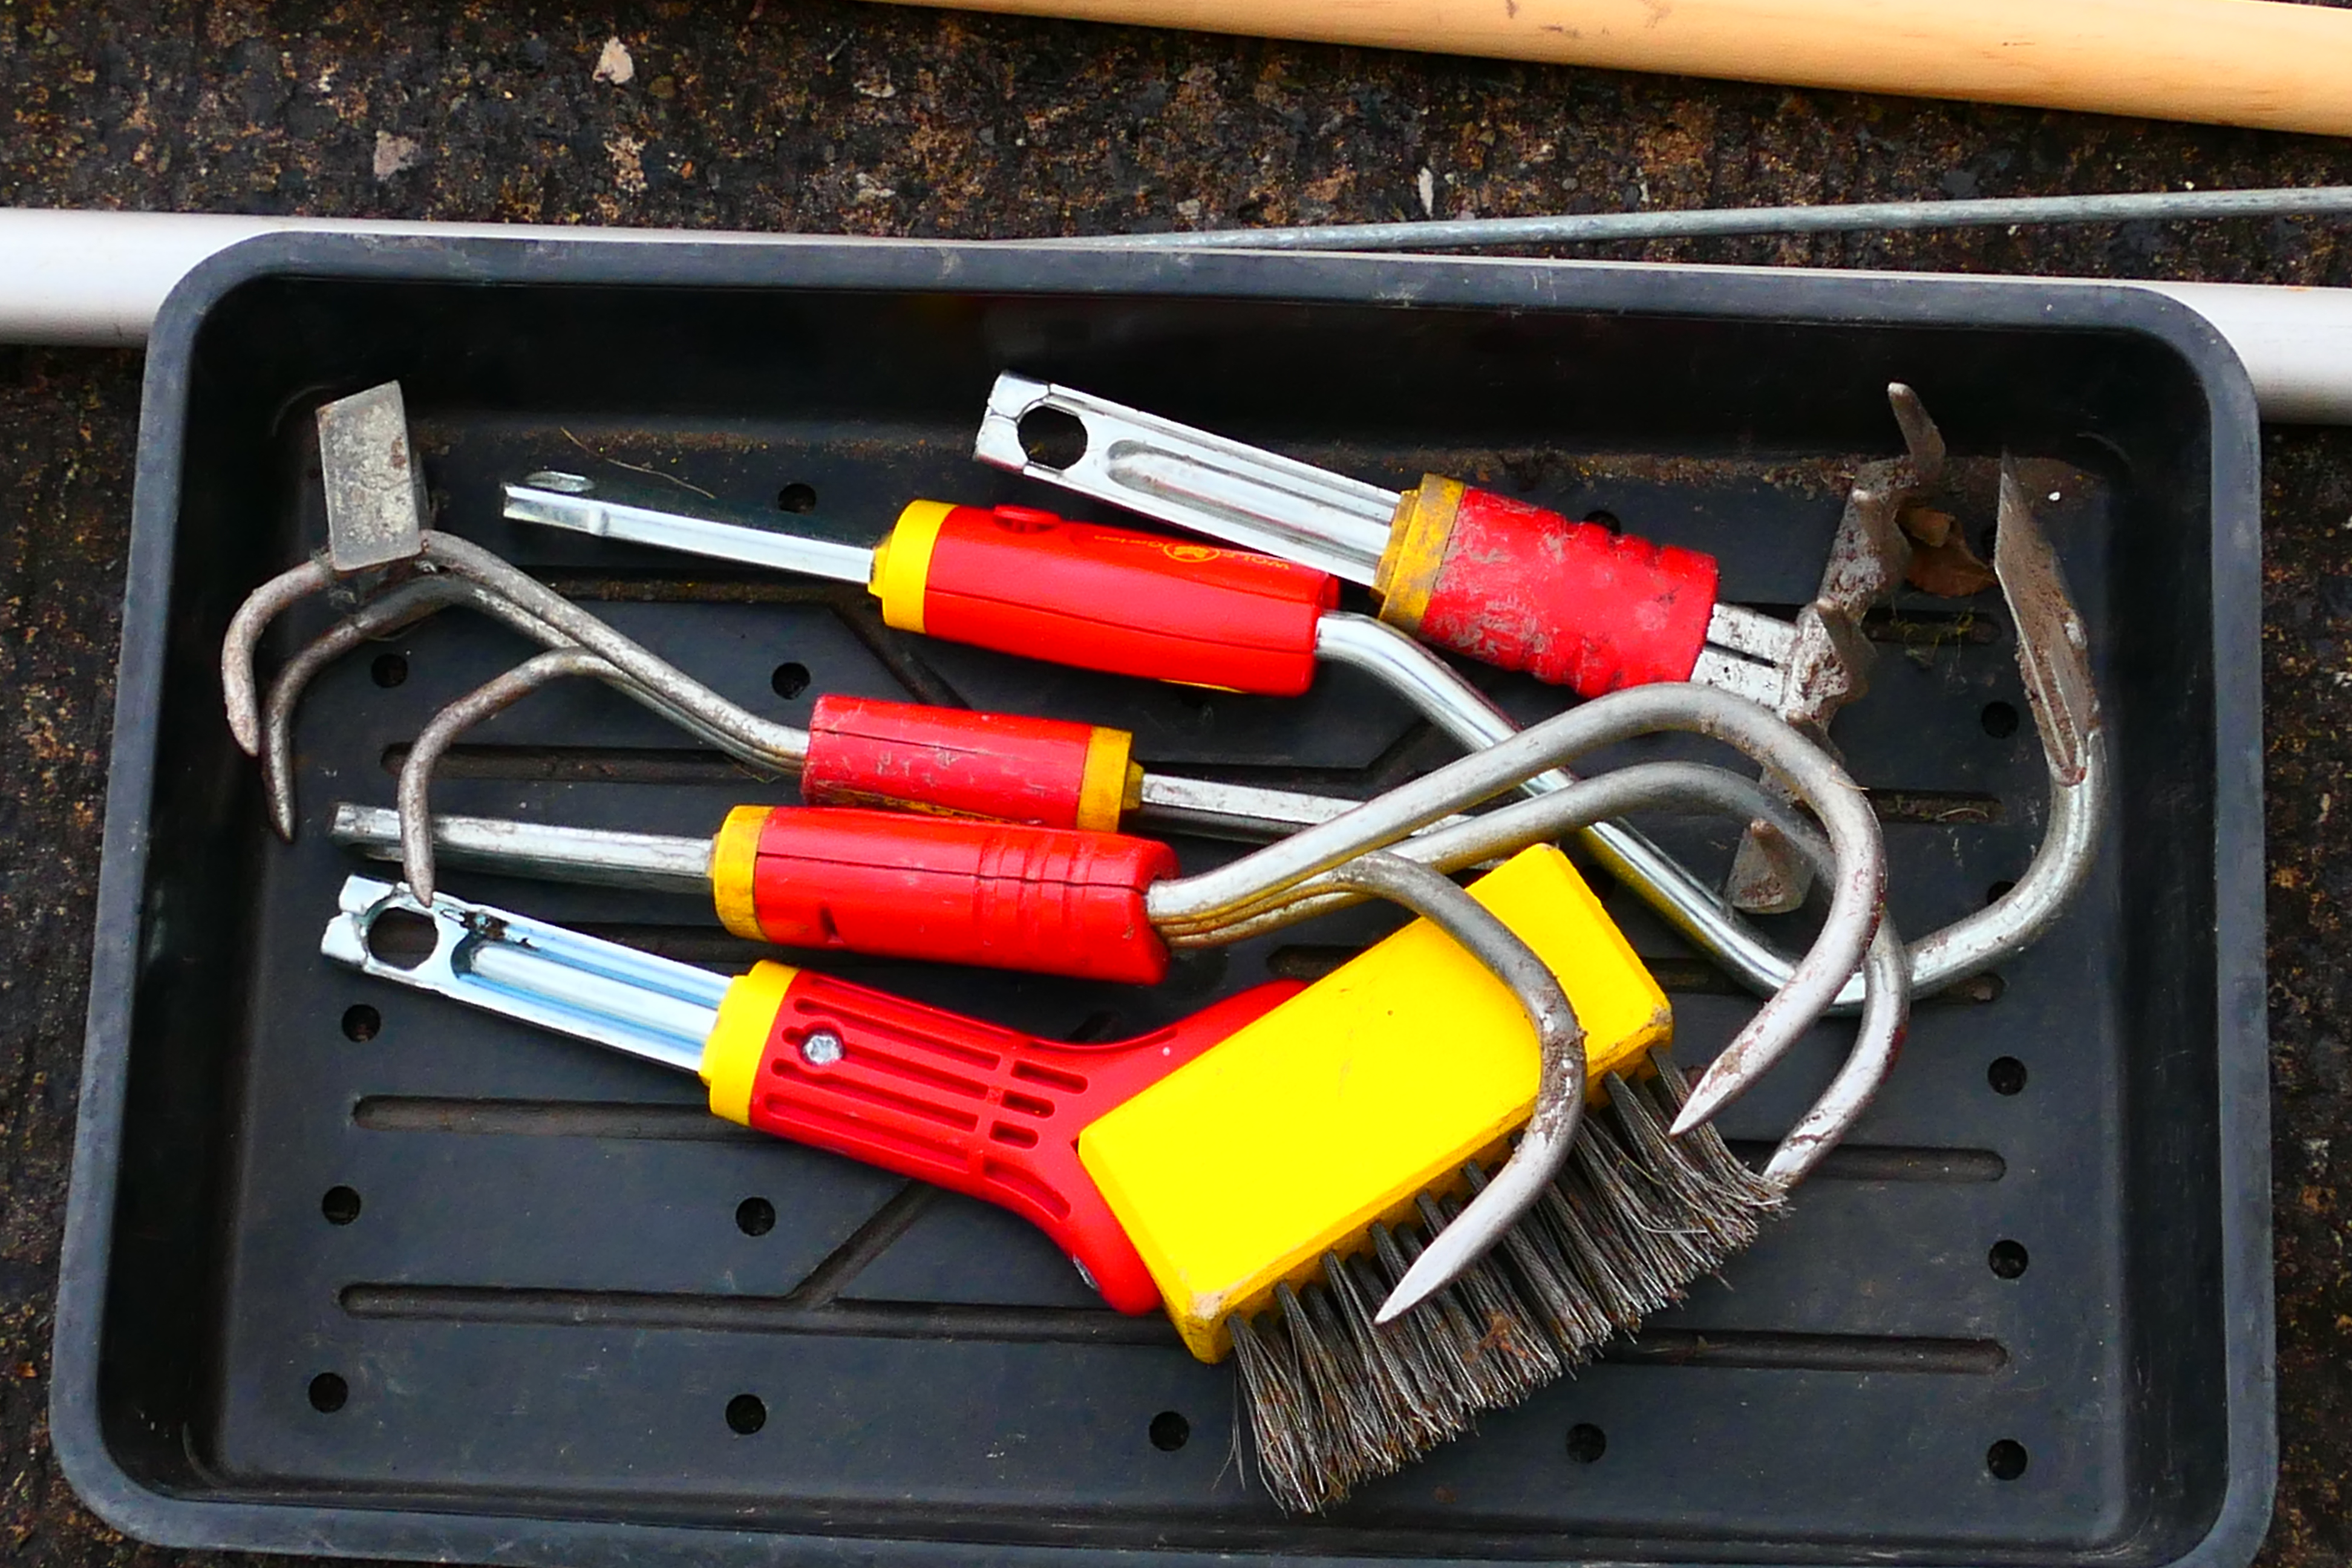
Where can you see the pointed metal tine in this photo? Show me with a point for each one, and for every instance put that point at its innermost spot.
(239, 690)
(402, 606)
(1877, 1043)
(1920, 437)
(2053, 649)
(492, 697)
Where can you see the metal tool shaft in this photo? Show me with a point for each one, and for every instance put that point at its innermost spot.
(1157, 468)
(653, 1008)
(671, 518)
(653, 862)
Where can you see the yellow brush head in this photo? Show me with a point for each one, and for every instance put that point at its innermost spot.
(1240, 1170)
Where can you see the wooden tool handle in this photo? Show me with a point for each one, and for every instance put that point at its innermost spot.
(2261, 63)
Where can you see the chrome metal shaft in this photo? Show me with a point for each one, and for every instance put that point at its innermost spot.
(671, 518)
(1157, 468)
(652, 862)
(653, 1008)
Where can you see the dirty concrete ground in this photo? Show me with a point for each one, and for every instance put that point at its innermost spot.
(831, 116)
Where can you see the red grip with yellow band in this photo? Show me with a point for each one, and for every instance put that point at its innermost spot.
(984, 1111)
(1045, 772)
(1045, 899)
(1527, 589)
(1026, 581)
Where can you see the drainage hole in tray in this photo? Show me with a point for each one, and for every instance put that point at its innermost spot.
(1586, 1442)
(1997, 891)
(1170, 1431)
(789, 680)
(402, 938)
(340, 1205)
(1605, 519)
(328, 1392)
(388, 671)
(2007, 1075)
(755, 1217)
(2006, 1460)
(1053, 439)
(2000, 720)
(361, 1023)
(2007, 1258)
(746, 1414)
(796, 496)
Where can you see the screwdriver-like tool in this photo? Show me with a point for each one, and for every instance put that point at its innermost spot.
(1287, 1152)
(1011, 578)
(1512, 584)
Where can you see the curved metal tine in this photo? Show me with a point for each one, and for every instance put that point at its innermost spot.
(536, 609)
(2052, 653)
(780, 746)
(1877, 1044)
(1877, 1038)
(1672, 786)
(492, 697)
(1238, 891)
(506, 611)
(261, 606)
(1240, 888)
(1560, 1045)
(405, 604)
(1263, 876)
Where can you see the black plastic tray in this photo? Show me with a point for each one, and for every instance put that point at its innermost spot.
(551, 1294)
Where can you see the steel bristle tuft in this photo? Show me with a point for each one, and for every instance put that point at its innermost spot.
(1333, 1400)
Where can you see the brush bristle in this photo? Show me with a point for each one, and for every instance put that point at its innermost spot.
(1636, 1215)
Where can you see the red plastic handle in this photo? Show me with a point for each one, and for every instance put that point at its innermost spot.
(1046, 899)
(1045, 772)
(1569, 603)
(1026, 581)
(982, 1109)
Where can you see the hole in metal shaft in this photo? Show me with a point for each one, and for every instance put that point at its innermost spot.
(1052, 439)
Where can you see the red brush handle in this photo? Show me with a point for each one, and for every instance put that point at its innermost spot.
(1569, 603)
(1047, 899)
(984, 1111)
(1026, 581)
(1045, 772)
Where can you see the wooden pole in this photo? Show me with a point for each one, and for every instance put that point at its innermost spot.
(2266, 64)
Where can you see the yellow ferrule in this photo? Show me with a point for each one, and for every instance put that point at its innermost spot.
(1103, 780)
(902, 563)
(1418, 535)
(739, 1042)
(734, 855)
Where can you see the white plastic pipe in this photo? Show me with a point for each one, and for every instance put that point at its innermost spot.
(97, 278)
